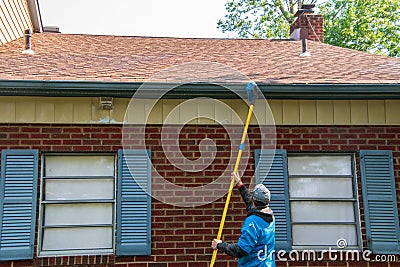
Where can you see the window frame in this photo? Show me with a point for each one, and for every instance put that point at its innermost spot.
(354, 200)
(42, 204)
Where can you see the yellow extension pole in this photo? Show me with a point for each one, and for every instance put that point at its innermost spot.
(228, 198)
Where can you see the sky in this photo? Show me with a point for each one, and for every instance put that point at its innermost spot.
(157, 18)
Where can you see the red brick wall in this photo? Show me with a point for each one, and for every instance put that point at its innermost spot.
(314, 25)
(182, 236)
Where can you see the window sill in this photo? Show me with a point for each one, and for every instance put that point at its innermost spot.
(75, 253)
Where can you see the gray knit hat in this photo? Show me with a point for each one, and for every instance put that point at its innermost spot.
(261, 195)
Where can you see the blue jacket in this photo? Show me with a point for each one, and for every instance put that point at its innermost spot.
(256, 244)
(258, 240)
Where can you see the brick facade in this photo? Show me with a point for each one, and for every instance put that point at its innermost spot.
(312, 24)
(182, 236)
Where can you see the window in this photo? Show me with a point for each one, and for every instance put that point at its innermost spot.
(314, 198)
(77, 204)
(79, 212)
(323, 200)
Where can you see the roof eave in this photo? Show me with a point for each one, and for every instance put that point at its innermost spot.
(35, 15)
(191, 90)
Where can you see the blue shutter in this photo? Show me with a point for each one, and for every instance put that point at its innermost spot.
(134, 203)
(18, 185)
(271, 170)
(380, 204)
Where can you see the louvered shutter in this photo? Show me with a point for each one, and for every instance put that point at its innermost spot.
(380, 204)
(19, 173)
(134, 203)
(271, 170)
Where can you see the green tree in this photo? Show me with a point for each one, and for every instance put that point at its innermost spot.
(260, 18)
(366, 25)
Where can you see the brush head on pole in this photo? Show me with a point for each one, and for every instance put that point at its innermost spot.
(252, 91)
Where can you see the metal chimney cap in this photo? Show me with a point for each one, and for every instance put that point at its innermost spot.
(306, 8)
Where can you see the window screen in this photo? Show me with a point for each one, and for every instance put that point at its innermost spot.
(77, 204)
(323, 200)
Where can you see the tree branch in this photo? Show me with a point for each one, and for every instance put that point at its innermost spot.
(284, 12)
(291, 5)
(339, 9)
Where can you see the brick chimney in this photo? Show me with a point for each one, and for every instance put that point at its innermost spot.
(307, 25)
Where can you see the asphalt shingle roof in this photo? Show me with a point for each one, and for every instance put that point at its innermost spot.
(136, 59)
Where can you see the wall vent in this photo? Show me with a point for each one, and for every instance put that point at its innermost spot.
(52, 29)
(106, 103)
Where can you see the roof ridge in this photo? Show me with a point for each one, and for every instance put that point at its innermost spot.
(161, 37)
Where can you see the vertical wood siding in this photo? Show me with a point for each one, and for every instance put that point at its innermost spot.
(200, 111)
(14, 19)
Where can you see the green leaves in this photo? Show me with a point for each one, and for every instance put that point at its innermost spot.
(256, 19)
(366, 25)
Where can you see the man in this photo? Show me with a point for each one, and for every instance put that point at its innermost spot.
(256, 244)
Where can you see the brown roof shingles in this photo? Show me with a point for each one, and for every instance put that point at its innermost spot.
(137, 59)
